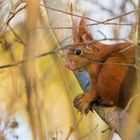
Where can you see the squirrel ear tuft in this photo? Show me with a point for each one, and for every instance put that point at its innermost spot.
(75, 34)
(84, 32)
(81, 33)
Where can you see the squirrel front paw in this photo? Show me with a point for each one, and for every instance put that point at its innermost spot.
(82, 103)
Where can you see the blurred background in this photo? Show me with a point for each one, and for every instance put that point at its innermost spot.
(36, 89)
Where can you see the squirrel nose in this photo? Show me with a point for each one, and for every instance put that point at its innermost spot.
(67, 65)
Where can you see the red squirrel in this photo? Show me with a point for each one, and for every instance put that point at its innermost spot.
(112, 79)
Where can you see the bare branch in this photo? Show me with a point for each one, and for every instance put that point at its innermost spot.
(73, 128)
(92, 24)
(17, 36)
(128, 105)
(68, 13)
(105, 22)
(83, 137)
(13, 14)
(69, 46)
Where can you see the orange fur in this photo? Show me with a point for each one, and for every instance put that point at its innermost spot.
(104, 63)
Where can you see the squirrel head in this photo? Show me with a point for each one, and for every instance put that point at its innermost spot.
(78, 56)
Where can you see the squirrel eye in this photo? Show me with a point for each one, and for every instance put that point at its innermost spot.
(78, 52)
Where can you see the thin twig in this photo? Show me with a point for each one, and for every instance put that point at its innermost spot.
(67, 47)
(11, 64)
(87, 18)
(73, 128)
(83, 137)
(128, 106)
(68, 13)
(15, 13)
(16, 35)
(91, 24)
(122, 15)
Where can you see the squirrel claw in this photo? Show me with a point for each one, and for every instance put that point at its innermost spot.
(81, 105)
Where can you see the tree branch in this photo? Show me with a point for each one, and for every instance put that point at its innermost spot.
(110, 115)
(96, 22)
(69, 46)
